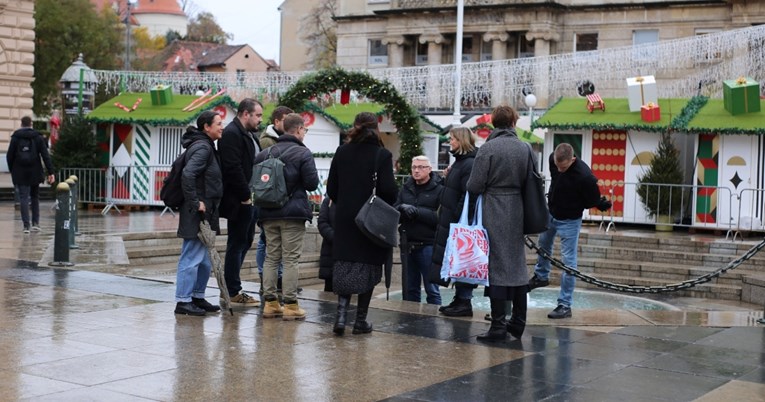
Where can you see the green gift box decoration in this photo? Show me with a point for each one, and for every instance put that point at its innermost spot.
(161, 95)
(741, 96)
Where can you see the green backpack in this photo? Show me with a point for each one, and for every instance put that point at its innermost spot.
(268, 186)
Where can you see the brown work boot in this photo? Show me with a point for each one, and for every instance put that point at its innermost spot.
(293, 312)
(273, 309)
(244, 300)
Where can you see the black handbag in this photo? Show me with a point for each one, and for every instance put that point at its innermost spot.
(377, 219)
(536, 217)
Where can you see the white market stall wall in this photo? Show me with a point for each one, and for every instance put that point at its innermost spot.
(140, 157)
(734, 164)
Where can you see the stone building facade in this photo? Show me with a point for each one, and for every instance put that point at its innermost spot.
(17, 47)
(401, 33)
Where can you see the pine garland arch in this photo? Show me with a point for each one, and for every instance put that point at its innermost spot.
(404, 116)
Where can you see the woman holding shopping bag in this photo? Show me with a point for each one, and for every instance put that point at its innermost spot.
(499, 171)
(357, 167)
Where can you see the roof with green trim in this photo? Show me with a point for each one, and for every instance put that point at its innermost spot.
(343, 115)
(713, 118)
(572, 114)
(171, 114)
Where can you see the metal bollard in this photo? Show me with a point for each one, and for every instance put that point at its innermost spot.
(75, 203)
(61, 236)
(72, 244)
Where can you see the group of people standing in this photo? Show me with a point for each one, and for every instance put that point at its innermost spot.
(217, 183)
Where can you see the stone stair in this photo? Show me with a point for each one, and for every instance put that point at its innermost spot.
(651, 261)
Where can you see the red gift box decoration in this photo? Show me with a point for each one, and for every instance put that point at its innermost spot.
(650, 112)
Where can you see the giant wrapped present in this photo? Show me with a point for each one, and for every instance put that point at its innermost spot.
(641, 91)
(741, 96)
(161, 95)
(650, 112)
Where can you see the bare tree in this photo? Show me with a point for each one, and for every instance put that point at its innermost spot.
(189, 8)
(319, 30)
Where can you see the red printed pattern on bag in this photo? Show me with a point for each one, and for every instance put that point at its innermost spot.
(467, 261)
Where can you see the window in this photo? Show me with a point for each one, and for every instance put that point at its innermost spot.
(467, 49)
(378, 53)
(486, 50)
(584, 42)
(525, 47)
(421, 54)
(642, 37)
(240, 76)
(706, 51)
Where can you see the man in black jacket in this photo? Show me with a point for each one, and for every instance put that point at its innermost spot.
(238, 148)
(418, 203)
(573, 189)
(23, 157)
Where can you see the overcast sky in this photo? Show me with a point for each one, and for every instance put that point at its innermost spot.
(252, 22)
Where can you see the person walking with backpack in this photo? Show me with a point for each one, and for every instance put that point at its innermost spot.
(238, 148)
(285, 226)
(24, 152)
(202, 184)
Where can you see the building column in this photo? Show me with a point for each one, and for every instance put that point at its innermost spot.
(435, 42)
(395, 50)
(498, 52)
(542, 36)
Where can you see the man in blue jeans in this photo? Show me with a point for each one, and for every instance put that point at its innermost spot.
(418, 202)
(573, 189)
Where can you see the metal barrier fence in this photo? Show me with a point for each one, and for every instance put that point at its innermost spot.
(694, 206)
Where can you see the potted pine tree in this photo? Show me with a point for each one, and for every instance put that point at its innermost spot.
(659, 189)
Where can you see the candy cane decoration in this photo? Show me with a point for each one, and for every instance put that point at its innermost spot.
(208, 100)
(195, 101)
(121, 106)
(135, 105)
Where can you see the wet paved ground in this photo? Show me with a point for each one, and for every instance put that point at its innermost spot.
(71, 335)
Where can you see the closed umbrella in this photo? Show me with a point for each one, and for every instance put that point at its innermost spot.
(207, 236)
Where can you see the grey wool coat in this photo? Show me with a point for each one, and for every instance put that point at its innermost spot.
(498, 174)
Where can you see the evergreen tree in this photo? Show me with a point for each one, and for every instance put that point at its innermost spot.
(76, 146)
(664, 169)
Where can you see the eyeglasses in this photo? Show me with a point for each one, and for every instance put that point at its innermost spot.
(420, 167)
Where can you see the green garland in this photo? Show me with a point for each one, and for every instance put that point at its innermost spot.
(691, 109)
(323, 154)
(403, 115)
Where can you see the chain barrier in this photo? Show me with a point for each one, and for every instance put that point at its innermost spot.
(645, 289)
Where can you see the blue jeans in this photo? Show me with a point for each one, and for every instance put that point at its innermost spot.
(568, 230)
(418, 263)
(241, 234)
(29, 194)
(463, 291)
(260, 255)
(194, 268)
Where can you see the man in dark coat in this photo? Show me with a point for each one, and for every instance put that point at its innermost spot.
(238, 148)
(24, 152)
(573, 189)
(285, 226)
(418, 203)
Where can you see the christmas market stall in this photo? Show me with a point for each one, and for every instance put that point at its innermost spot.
(144, 136)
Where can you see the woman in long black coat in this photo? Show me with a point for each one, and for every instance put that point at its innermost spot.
(462, 146)
(326, 226)
(349, 186)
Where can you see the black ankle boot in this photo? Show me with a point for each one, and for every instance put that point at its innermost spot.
(498, 330)
(342, 313)
(516, 325)
(459, 308)
(361, 326)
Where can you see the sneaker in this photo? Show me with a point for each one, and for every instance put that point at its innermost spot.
(188, 308)
(292, 311)
(560, 312)
(243, 299)
(26, 230)
(273, 309)
(205, 305)
(35, 228)
(537, 282)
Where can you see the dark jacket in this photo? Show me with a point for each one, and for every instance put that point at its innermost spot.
(326, 223)
(237, 149)
(300, 176)
(349, 185)
(572, 191)
(452, 198)
(201, 181)
(32, 174)
(425, 197)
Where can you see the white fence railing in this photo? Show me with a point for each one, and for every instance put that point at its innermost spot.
(706, 207)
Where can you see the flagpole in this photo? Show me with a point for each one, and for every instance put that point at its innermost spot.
(457, 116)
